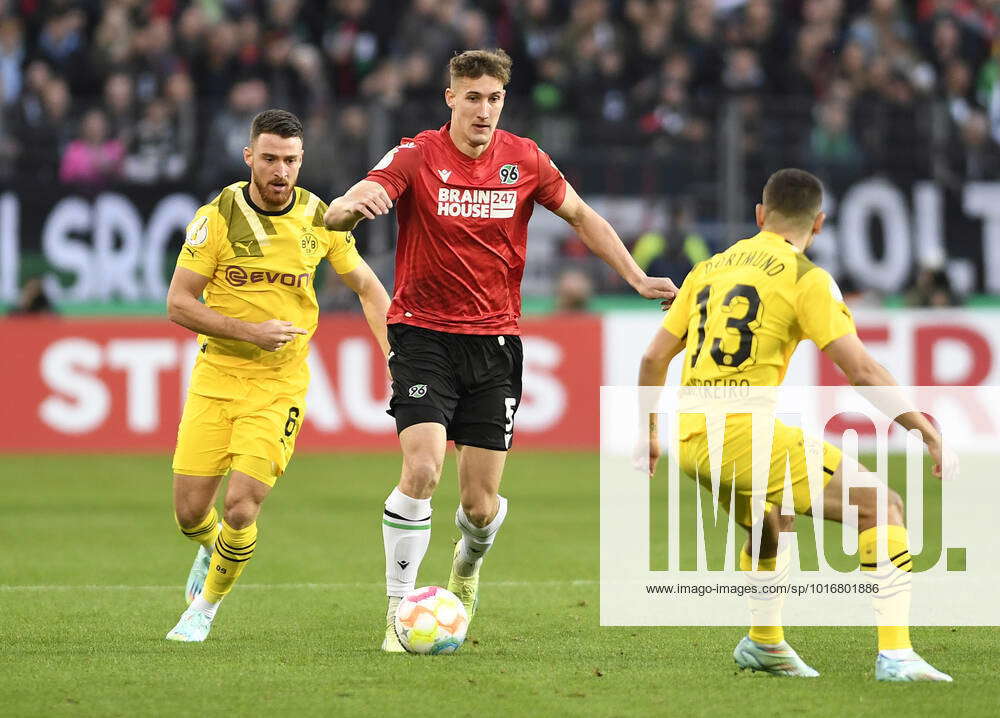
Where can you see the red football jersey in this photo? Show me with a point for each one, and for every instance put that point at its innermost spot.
(463, 228)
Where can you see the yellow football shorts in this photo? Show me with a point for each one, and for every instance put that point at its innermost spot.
(788, 453)
(244, 423)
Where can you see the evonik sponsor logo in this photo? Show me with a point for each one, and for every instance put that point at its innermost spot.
(238, 276)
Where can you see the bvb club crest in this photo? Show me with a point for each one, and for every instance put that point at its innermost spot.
(308, 244)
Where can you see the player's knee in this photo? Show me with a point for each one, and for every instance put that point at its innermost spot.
(480, 512)
(867, 505)
(240, 511)
(420, 475)
(189, 516)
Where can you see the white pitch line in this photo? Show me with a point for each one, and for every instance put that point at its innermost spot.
(279, 586)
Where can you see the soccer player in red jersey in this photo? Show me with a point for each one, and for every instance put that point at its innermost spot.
(464, 195)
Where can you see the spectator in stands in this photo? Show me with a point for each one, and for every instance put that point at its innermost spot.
(932, 288)
(214, 69)
(742, 72)
(957, 91)
(12, 55)
(93, 159)
(42, 129)
(281, 76)
(111, 46)
(700, 37)
(153, 59)
(352, 46)
(603, 104)
(119, 107)
(833, 152)
(646, 52)
(883, 29)
(675, 251)
(972, 154)
(62, 44)
(424, 27)
(192, 28)
(155, 155)
(180, 101)
(422, 83)
(308, 63)
(587, 75)
(539, 27)
(228, 134)
(756, 25)
(673, 124)
(574, 290)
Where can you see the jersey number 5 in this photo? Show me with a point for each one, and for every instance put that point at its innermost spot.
(754, 309)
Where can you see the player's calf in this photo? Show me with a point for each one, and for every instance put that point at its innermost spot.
(478, 533)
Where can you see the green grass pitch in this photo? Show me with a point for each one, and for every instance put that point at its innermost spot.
(92, 571)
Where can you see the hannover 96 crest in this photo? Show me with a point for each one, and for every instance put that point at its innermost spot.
(509, 174)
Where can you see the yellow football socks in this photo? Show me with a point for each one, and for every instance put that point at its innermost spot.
(233, 549)
(205, 532)
(766, 606)
(893, 577)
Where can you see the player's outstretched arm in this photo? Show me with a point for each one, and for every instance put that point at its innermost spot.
(601, 239)
(184, 308)
(653, 372)
(365, 200)
(374, 300)
(861, 369)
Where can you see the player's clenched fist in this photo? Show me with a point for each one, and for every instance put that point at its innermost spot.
(368, 199)
(274, 334)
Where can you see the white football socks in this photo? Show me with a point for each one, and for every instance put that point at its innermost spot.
(406, 533)
(476, 541)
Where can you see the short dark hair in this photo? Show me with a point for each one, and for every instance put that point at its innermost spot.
(275, 122)
(476, 63)
(794, 194)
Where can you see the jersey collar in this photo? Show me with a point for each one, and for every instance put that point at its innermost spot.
(446, 136)
(764, 234)
(258, 210)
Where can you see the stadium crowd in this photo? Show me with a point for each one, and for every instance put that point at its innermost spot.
(153, 92)
(98, 91)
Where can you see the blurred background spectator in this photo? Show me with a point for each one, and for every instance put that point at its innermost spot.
(93, 159)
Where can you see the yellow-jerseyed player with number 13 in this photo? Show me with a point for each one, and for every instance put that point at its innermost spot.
(739, 316)
(253, 252)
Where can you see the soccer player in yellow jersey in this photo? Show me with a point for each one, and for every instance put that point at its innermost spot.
(739, 315)
(252, 253)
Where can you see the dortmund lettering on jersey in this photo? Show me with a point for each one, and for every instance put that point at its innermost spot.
(744, 310)
(261, 266)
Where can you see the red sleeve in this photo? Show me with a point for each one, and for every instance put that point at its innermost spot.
(397, 168)
(551, 184)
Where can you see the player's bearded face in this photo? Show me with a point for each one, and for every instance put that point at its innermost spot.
(274, 168)
(476, 105)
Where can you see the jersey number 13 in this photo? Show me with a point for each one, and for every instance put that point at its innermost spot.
(741, 324)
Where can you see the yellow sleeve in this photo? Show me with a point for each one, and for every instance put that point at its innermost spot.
(343, 253)
(820, 308)
(202, 242)
(679, 314)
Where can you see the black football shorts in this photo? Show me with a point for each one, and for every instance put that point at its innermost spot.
(470, 383)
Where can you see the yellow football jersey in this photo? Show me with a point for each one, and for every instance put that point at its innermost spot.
(743, 312)
(261, 266)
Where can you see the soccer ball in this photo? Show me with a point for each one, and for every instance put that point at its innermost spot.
(431, 620)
